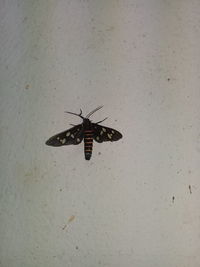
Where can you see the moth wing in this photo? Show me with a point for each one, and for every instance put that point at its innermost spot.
(104, 134)
(72, 136)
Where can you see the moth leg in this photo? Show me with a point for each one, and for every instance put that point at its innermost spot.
(101, 121)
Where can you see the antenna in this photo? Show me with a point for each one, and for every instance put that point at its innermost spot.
(93, 111)
(79, 115)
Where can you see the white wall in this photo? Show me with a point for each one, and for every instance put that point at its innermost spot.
(131, 205)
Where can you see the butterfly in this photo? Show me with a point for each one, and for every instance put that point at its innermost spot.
(86, 131)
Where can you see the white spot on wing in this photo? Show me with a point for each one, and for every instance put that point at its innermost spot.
(63, 141)
(101, 132)
(68, 134)
(97, 138)
(113, 131)
(109, 136)
(104, 129)
(72, 135)
(78, 140)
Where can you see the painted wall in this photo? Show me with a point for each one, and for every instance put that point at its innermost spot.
(137, 201)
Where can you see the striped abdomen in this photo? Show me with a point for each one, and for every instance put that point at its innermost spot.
(88, 142)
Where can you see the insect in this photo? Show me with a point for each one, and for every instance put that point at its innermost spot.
(86, 130)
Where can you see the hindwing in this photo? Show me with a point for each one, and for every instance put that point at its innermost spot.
(103, 134)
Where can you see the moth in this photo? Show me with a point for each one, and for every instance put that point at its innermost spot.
(87, 131)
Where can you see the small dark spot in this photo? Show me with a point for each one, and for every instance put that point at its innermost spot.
(190, 189)
(64, 227)
(24, 19)
(168, 79)
(60, 190)
(173, 198)
(76, 247)
(27, 86)
(99, 153)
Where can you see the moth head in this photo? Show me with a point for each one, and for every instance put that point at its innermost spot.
(86, 122)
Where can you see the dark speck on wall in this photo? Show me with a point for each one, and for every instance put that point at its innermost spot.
(63, 228)
(190, 189)
(24, 19)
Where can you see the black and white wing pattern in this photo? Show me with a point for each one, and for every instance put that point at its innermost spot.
(103, 134)
(73, 136)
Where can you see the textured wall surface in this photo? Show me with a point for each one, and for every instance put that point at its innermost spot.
(137, 201)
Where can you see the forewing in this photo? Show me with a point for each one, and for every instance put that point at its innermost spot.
(73, 136)
(103, 134)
